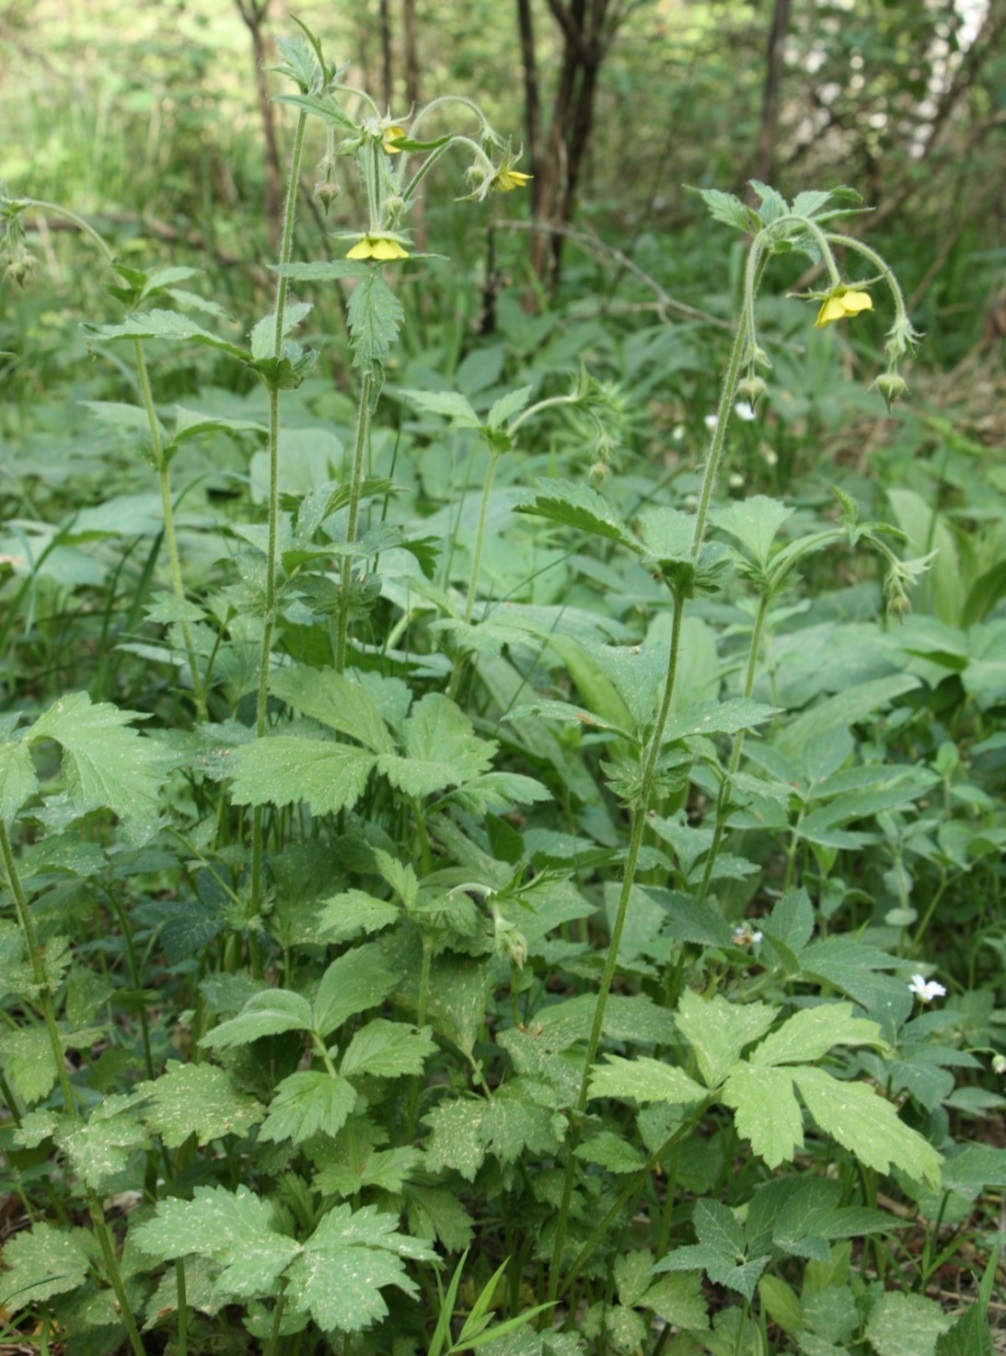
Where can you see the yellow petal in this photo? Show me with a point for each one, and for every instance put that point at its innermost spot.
(387, 249)
(363, 249)
(830, 311)
(391, 135)
(854, 302)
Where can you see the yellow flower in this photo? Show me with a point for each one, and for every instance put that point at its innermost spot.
(379, 247)
(506, 179)
(390, 135)
(842, 302)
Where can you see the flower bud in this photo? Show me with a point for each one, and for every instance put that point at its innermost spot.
(999, 1064)
(751, 389)
(326, 191)
(891, 386)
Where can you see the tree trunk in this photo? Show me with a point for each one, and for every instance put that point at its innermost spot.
(411, 53)
(774, 62)
(253, 12)
(386, 78)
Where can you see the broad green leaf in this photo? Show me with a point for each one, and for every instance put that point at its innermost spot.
(973, 1168)
(451, 404)
(842, 710)
(18, 781)
(339, 1275)
(644, 1080)
(332, 270)
(766, 1111)
(610, 1151)
(754, 522)
(579, 507)
(196, 1099)
(678, 1300)
(102, 1147)
(41, 1262)
(375, 316)
(441, 749)
(265, 1014)
(336, 700)
(712, 718)
(27, 1058)
(863, 1122)
(263, 335)
(719, 1030)
(386, 1169)
(360, 979)
(306, 1104)
(503, 409)
(667, 534)
(343, 916)
(782, 1305)
(435, 1212)
(906, 1325)
(730, 210)
(460, 991)
(282, 769)
(105, 762)
(499, 793)
(634, 1019)
(386, 1049)
(810, 1033)
(234, 1228)
(464, 1131)
(165, 325)
(588, 721)
(791, 922)
(119, 415)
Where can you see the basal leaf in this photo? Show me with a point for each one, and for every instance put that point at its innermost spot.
(336, 700)
(766, 1111)
(863, 1122)
(234, 1228)
(360, 979)
(451, 404)
(906, 1325)
(644, 1080)
(41, 1262)
(282, 769)
(18, 781)
(386, 1049)
(441, 749)
(340, 1273)
(811, 1033)
(719, 1030)
(464, 1131)
(308, 1103)
(197, 1099)
(105, 762)
(265, 1014)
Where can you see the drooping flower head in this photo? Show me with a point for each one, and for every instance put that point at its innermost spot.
(841, 303)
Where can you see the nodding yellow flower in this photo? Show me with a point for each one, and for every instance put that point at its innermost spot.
(841, 303)
(506, 179)
(390, 135)
(380, 247)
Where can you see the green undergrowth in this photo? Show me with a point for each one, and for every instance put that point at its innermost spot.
(502, 850)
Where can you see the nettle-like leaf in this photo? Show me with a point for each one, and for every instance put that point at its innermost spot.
(265, 1014)
(579, 507)
(336, 700)
(105, 762)
(718, 1031)
(906, 1325)
(375, 316)
(356, 981)
(644, 1080)
(235, 1229)
(196, 1099)
(282, 769)
(41, 1262)
(441, 749)
(103, 1146)
(506, 1125)
(340, 1271)
(386, 1049)
(166, 325)
(721, 1251)
(307, 1103)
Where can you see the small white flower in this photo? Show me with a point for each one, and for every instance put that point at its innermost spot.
(926, 990)
(999, 1064)
(745, 935)
(736, 480)
(771, 456)
(745, 410)
(711, 422)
